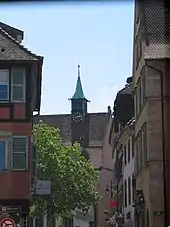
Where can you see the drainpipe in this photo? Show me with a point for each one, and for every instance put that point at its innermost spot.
(163, 140)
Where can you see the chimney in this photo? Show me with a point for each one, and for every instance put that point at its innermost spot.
(14, 32)
(129, 80)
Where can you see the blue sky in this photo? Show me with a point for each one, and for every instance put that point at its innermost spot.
(98, 35)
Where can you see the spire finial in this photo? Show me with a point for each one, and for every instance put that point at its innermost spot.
(78, 69)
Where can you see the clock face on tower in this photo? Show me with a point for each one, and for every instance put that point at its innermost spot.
(77, 117)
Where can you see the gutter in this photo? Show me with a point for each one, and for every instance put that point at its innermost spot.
(163, 139)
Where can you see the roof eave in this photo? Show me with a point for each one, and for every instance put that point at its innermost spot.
(78, 99)
(39, 84)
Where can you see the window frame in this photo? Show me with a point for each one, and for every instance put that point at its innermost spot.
(125, 192)
(12, 152)
(136, 154)
(144, 143)
(143, 85)
(129, 150)
(135, 101)
(138, 47)
(133, 187)
(8, 86)
(139, 96)
(129, 191)
(6, 154)
(125, 155)
(140, 149)
(133, 146)
(18, 85)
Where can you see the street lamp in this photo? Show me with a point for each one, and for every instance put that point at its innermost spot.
(111, 189)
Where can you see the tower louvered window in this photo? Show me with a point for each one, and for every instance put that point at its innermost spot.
(19, 153)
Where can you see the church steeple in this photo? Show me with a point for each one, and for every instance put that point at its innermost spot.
(79, 94)
(79, 102)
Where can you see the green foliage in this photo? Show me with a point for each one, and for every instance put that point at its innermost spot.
(73, 177)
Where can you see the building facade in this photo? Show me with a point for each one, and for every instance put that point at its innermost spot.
(128, 172)
(89, 130)
(20, 92)
(151, 100)
(106, 172)
(124, 155)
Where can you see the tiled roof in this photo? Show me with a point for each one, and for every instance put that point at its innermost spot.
(13, 50)
(97, 126)
(157, 51)
(155, 30)
(126, 90)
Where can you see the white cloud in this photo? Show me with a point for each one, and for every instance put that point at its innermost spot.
(103, 98)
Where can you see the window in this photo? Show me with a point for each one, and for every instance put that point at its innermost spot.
(135, 101)
(136, 155)
(144, 141)
(133, 187)
(4, 85)
(19, 153)
(125, 193)
(3, 155)
(128, 150)
(139, 92)
(138, 49)
(140, 150)
(140, 95)
(133, 141)
(143, 87)
(125, 159)
(129, 191)
(18, 85)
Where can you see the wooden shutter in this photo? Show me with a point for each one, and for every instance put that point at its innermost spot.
(19, 153)
(18, 84)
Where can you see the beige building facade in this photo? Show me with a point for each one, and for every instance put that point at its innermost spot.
(151, 106)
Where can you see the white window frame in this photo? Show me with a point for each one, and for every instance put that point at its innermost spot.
(6, 154)
(26, 168)
(18, 85)
(5, 83)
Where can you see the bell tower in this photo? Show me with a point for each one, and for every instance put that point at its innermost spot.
(78, 101)
(79, 116)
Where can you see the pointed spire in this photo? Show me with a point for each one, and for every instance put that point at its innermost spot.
(79, 90)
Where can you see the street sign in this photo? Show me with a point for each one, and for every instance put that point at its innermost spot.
(7, 222)
(43, 187)
(8, 209)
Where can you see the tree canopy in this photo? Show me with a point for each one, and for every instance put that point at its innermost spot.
(73, 177)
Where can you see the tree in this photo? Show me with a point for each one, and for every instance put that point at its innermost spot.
(72, 176)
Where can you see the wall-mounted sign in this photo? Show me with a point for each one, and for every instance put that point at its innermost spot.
(43, 187)
(8, 209)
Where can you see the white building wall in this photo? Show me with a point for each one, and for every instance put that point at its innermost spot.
(128, 171)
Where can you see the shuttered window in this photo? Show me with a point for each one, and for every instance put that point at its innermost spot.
(4, 85)
(18, 84)
(19, 153)
(2, 155)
